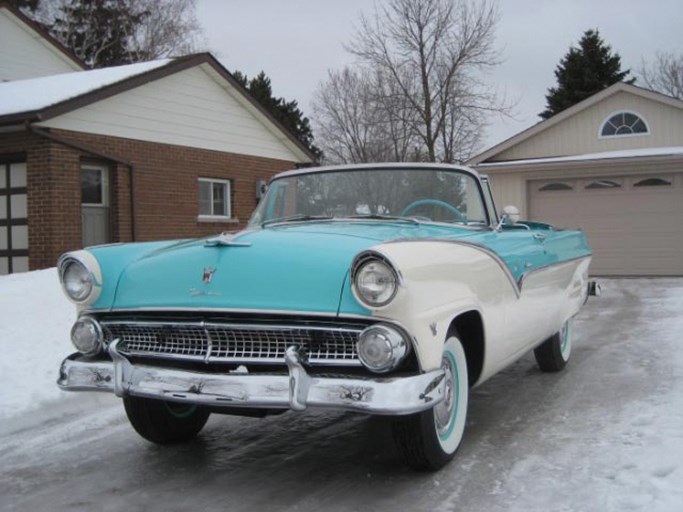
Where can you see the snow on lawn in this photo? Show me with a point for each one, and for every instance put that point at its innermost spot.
(35, 321)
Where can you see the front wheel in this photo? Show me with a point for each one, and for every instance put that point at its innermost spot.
(164, 422)
(428, 440)
(552, 355)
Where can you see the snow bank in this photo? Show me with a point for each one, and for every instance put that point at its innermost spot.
(35, 321)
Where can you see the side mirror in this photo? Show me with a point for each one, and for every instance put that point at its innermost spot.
(511, 214)
(261, 188)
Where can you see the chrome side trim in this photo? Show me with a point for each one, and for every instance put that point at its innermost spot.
(294, 390)
(525, 275)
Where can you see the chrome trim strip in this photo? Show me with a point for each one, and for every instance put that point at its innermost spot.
(294, 390)
(550, 265)
(276, 312)
(378, 166)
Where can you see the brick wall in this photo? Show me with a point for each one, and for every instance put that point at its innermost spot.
(166, 189)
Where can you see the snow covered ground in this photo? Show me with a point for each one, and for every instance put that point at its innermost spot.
(35, 321)
(604, 435)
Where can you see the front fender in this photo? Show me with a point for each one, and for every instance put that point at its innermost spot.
(442, 280)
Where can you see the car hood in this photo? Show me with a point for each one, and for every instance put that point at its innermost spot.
(293, 267)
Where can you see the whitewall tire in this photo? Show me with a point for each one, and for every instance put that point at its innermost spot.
(553, 354)
(428, 440)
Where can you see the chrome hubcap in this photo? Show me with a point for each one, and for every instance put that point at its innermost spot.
(443, 412)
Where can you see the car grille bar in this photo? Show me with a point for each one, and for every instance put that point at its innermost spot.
(235, 343)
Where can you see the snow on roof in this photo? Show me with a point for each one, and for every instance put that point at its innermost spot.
(627, 153)
(37, 93)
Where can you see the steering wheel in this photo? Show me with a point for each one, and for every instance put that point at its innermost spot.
(435, 202)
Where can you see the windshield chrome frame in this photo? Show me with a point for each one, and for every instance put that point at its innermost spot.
(491, 216)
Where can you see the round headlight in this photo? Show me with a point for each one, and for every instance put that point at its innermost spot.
(381, 348)
(87, 336)
(376, 283)
(77, 281)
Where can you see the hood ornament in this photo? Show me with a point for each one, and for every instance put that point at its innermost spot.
(208, 274)
(225, 240)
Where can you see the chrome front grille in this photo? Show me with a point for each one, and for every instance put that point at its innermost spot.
(234, 343)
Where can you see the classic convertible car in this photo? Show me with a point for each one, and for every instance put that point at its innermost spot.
(385, 289)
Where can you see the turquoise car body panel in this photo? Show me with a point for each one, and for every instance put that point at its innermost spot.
(294, 267)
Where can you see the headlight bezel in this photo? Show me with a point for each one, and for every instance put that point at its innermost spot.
(397, 341)
(361, 262)
(89, 266)
(98, 332)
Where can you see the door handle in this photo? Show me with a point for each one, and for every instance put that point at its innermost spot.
(540, 237)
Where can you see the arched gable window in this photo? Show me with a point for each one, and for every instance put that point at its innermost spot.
(624, 123)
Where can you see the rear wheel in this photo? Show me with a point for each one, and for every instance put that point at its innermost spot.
(552, 355)
(164, 422)
(428, 440)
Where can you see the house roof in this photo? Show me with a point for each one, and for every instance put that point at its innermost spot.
(676, 151)
(37, 95)
(571, 111)
(40, 99)
(41, 33)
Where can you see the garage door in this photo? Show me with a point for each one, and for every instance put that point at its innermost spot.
(633, 223)
(13, 218)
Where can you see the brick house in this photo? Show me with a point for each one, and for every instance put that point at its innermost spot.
(167, 149)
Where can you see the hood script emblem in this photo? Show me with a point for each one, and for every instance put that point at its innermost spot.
(208, 274)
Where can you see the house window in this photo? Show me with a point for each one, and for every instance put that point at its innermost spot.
(556, 186)
(624, 123)
(601, 184)
(652, 182)
(214, 198)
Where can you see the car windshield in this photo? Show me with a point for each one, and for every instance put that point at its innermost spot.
(408, 195)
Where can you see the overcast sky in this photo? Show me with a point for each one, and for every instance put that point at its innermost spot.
(296, 41)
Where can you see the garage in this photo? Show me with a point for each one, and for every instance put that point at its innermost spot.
(13, 218)
(633, 223)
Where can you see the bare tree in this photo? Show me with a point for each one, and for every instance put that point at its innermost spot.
(434, 52)
(360, 118)
(664, 75)
(169, 29)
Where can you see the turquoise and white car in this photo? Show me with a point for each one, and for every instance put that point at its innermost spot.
(387, 289)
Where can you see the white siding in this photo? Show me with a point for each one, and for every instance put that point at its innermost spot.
(579, 133)
(194, 108)
(25, 54)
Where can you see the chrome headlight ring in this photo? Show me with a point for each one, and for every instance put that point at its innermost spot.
(80, 277)
(381, 348)
(374, 279)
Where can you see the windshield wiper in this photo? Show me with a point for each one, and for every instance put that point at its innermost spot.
(299, 217)
(380, 216)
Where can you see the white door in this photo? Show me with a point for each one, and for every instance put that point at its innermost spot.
(95, 205)
(633, 223)
(13, 218)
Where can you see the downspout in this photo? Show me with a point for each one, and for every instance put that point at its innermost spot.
(86, 149)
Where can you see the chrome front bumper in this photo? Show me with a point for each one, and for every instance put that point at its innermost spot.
(297, 390)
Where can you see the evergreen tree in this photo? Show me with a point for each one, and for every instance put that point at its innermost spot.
(97, 31)
(112, 32)
(583, 72)
(25, 6)
(286, 112)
